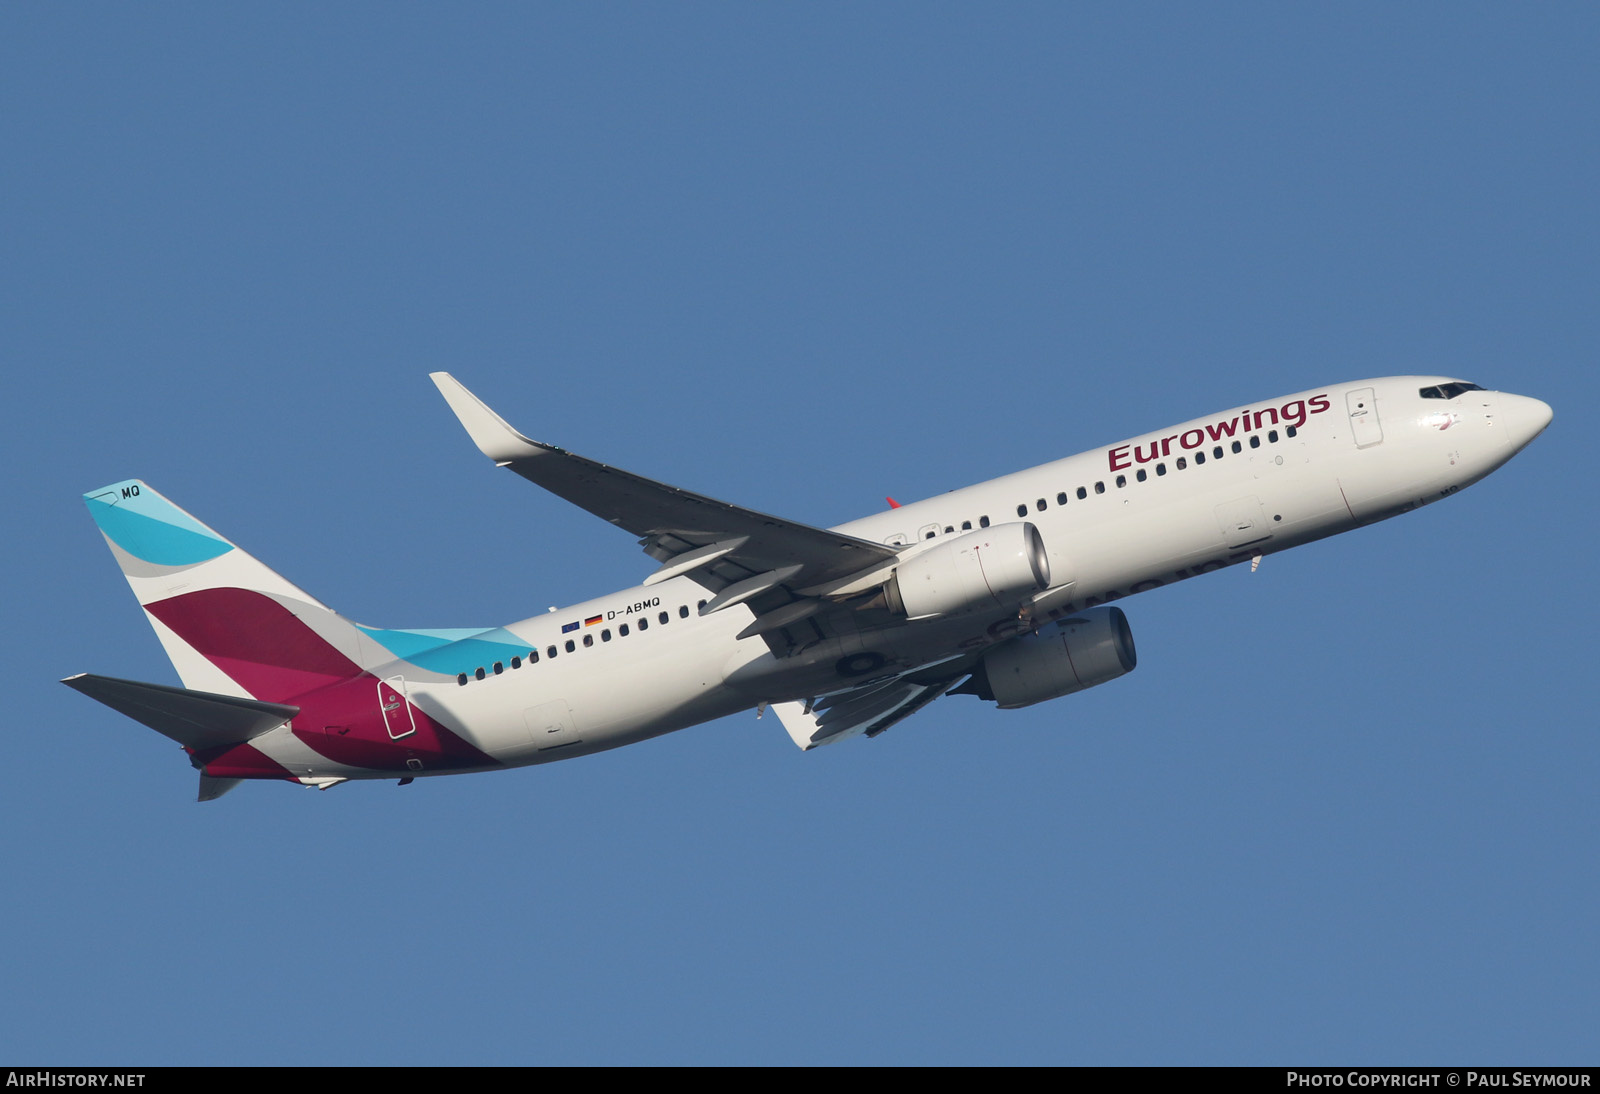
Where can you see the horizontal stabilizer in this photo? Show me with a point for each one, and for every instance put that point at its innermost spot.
(195, 719)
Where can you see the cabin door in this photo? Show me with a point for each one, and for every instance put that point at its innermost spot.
(397, 716)
(1362, 404)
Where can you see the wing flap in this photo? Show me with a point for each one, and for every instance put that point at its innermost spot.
(869, 709)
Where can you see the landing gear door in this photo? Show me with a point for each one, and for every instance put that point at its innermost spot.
(1362, 404)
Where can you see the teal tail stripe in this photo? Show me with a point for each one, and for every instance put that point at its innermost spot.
(450, 651)
(149, 527)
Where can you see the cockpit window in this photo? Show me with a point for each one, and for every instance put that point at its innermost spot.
(1448, 391)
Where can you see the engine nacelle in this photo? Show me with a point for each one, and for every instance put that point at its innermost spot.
(992, 568)
(1085, 649)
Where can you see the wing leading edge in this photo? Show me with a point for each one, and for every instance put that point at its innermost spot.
(778, 567)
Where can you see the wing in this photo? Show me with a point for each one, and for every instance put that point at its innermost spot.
(779, 567)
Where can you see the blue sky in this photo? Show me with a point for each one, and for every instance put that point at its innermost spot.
(801, 257)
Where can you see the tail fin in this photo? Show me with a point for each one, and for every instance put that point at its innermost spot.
(230, 625)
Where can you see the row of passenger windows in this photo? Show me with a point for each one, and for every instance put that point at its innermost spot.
(933, 530)
(1160, 469)
(1181, 463)
(571, 645)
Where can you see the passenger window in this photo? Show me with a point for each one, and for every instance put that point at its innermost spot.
(1122, 480)
(1272, 437)
(1255, 440)
(983, 522)
(533, 657)
(605, 635)
(1199, 458)
(1061, 498)
(499, 667)
(930, 533)
(948, 529)
(1290, 431)
(1082, 493)
(966, 526)
(664, 618)
(1161, 469)
(571, 646)
(1022, 510)
(644, 624)
(462, 679)
(550, 652)
(1099, 488)
(1216, 453)
(623, 630)
(479, 673)
(516, 662)
(588, 640)
(1237, 447)
(1182, 463)
(1141, 474)
(1041, 505)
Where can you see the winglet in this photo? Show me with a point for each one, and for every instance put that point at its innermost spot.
(488, 430)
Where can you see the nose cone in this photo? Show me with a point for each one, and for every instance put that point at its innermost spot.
(1523, 418)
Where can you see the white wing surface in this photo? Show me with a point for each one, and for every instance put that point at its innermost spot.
(869, 709)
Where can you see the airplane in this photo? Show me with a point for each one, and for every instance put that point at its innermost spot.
(1002, 590)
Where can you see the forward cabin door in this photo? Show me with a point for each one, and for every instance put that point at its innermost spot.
(1362, 405)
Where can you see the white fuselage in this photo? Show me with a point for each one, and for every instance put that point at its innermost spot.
(1116, 520)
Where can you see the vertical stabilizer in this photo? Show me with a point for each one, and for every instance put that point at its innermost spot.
(230, 625)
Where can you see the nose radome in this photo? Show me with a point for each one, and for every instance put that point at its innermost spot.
(1523, 418)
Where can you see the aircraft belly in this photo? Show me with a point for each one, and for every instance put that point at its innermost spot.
(301, 760)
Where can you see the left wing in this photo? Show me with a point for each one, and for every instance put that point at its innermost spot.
(870, 709)
(779, 567)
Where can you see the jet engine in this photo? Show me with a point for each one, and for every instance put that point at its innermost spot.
(991, 568)
(1083, 650)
